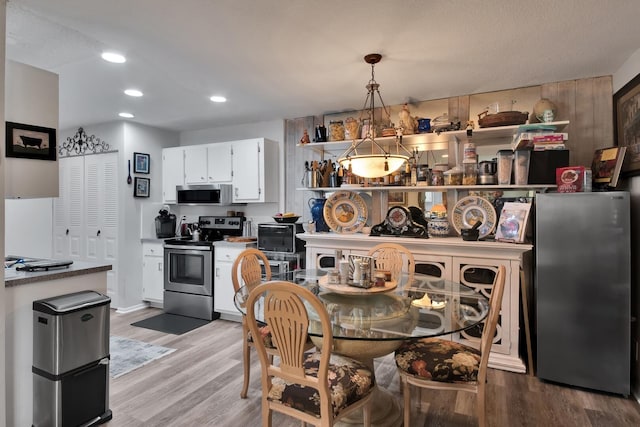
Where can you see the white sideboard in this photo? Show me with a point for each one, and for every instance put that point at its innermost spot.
(471, 263)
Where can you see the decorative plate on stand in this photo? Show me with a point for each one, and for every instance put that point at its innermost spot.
(345, 212)
(472, 209)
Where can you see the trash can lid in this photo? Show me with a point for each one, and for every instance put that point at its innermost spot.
(71, 302)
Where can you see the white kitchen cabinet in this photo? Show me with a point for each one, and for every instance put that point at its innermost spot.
(255, 171)
(152, 272)
(219, 162)
(225, 253)
(207, 164)
(195, 165)
(172, 172)
(86, 216)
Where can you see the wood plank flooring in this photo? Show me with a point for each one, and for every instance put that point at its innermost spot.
(199, 385)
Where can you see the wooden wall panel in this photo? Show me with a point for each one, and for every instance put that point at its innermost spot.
(586, 103)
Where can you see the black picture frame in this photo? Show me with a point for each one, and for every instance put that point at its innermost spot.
(626, 124)
(141, 187)
(30, 142)
(141, 163)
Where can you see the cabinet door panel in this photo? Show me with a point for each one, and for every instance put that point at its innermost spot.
(219, 162)
(247, 167)
(172, 172)
(195, 165)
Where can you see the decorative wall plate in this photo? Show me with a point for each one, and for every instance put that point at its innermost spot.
(471, 209)
(345, 212)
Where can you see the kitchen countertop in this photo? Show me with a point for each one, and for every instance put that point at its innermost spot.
(78, 268)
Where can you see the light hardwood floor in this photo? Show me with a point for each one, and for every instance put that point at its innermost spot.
(199, 385)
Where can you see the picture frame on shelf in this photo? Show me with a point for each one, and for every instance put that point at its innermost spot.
(626, 124)
(606, 166)
(141, 187)
(141, 163)
(397, 198)
(30, 142)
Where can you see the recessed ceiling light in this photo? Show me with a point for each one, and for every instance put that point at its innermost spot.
(216, 98)
(126, 115)
(113, 57)
(133, 92)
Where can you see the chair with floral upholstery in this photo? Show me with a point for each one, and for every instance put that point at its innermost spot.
(394, 258)
(316, 387)
(247, 268)
(446, 365)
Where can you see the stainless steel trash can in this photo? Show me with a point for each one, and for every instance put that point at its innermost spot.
(71, 360)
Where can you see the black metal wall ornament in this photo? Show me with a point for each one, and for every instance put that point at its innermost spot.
(82, 143)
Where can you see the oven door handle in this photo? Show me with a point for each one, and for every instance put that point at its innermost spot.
(192, 248)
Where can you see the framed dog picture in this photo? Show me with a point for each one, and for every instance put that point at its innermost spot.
(30, 142)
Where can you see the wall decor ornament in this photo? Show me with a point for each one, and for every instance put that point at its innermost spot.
(82, 143)
(626, 124)
(30, 142)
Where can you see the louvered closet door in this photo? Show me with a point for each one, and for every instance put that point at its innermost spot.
(68, 241)
(101, 200)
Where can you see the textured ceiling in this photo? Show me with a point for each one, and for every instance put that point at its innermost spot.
(293, 58)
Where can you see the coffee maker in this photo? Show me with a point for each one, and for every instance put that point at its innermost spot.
(165, 224)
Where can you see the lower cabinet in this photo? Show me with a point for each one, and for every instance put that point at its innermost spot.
(225, 253)
(474, 264)
(152, 272)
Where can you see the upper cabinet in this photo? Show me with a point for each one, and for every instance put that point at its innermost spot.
(195, 165)
(219, 162)
(250, 165)
(255, 171)
(172, 172)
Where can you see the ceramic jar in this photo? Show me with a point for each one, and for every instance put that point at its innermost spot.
(438, 226)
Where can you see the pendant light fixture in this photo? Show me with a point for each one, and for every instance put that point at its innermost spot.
(378, 162)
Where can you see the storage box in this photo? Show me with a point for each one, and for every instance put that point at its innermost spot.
(570, 179)
(543, 165)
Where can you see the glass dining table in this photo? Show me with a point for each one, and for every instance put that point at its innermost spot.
(373, 322)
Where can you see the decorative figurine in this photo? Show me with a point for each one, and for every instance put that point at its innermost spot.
(407, 123)
(305, 138)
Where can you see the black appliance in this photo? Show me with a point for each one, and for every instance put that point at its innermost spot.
(543, 165)
(280, 237)
(189, 268)
(165, 224)
(213, 194)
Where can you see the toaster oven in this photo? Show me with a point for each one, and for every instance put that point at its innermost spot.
(279, 237)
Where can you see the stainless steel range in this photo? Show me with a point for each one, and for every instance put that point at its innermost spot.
(189, 269)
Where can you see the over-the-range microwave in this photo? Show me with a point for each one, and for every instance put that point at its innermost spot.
(210, 194)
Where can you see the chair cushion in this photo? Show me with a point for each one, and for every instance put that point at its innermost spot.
(439, 360)
(349, 381)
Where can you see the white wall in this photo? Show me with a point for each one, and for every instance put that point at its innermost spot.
(257, 213)
(628, 71)
(31, 97)
(29, 227)
(3, 396)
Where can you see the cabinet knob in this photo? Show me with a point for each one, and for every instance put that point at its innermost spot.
(98, 233)
(67, 232)
(159, 266)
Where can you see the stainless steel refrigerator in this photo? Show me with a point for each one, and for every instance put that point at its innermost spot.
(583, 289)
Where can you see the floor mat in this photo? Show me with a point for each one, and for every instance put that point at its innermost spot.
(127, 355)
(171, 323)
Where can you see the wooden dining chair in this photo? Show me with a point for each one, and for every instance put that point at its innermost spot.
(446, 365)
(395, 258)
(317, 387)
(247, 268)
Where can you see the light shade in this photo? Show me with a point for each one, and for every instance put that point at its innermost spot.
(373, 165)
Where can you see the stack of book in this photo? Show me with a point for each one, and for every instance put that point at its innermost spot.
(540, 140)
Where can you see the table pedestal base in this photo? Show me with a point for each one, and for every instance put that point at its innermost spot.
(385, 412)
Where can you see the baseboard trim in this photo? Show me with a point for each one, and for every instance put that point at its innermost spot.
(125, 310)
